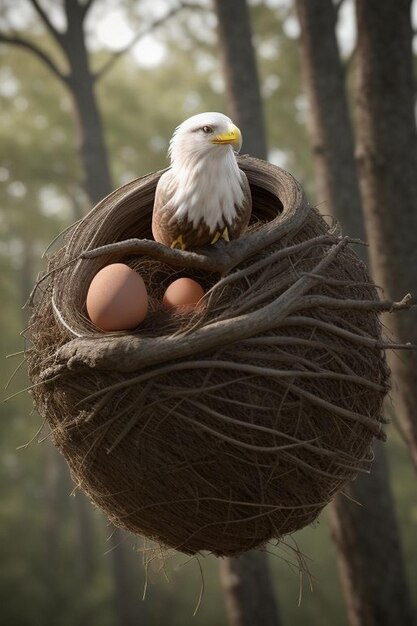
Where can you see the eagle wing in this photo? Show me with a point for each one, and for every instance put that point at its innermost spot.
(163, 209)
(243, 213)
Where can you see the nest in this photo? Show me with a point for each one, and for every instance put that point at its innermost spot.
(221, 430)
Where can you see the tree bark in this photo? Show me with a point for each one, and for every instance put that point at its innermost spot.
(86, 535)
(241, 74)
(329, 123)
(248, 592)
(370, 560)
(247, 586)
(387, 157)
(366, 536)
(128, 597)
(90, 132)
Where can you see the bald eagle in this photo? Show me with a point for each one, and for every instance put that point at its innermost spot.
(204, 196)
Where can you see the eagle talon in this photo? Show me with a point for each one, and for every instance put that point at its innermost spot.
(224, 235)
(178, 243)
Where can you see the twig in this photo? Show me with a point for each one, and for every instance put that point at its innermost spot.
(210, 261)
(139, 35)
(47, 22)
(38, 52)
(338, 6)
(339, 303)
(363, 340)
(86, 7)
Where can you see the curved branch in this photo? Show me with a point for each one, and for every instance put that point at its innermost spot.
(47, 22)
(145, 31)
(367, 305)
(214, 260)
(86, 7)
(45, 58)
(338, 6)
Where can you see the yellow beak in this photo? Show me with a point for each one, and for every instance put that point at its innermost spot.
(233, 137)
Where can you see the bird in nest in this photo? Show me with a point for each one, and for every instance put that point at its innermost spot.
(204, 197)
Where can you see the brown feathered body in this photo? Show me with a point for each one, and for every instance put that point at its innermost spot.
(168, 226)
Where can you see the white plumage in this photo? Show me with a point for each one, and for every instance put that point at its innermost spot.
(204, 189)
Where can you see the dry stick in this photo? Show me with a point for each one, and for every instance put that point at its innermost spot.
(256, 300)
(228, 365)
(212, 261)
(372, 425)
(275, 507)
(271, 258)
(235, 521)
(133, 353)
(297, 321)
(336, 303)
(336, 282)
(364, 340)
(61, 234)
(132, 422)
(240, 403)
(308, 445)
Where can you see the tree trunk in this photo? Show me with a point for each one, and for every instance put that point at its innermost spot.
(370, 561)
(240, 72)
(128, 595)
(53, 517)
(387, 157)
(90, 133)
(366, 536)
(248, 592)
(329, 123)
(98, 183)
(86, 535)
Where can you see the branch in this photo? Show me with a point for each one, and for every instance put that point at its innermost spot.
(45, 58)
(351, 58)
(212, 260)
(47, 22)
(338, 5)
(86, 7)
(145, 31)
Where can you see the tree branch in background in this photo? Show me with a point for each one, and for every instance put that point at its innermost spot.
(47, 22)
(349, 61)
(43, 56)
(145, 31)
(86, 7)
(338, 6)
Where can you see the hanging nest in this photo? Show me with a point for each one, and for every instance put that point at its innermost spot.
(224, 429)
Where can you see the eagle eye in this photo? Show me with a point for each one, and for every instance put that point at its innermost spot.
(207, 130)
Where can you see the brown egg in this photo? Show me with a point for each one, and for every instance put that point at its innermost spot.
(117, 298)
(183, 295)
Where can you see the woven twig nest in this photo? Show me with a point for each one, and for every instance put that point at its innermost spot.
(233, 426)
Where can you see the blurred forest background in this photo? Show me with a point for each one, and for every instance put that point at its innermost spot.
(153, 64)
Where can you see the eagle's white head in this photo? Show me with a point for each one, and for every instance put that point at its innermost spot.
(203, 161)
(204, 135)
